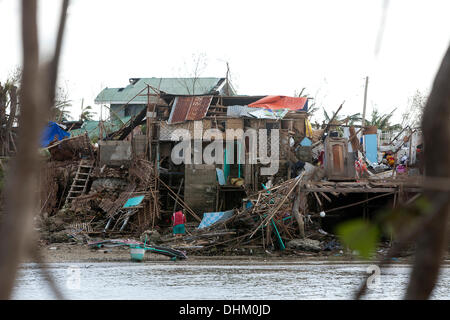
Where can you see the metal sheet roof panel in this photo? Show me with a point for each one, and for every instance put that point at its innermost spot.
(175, 86)
(189, 108)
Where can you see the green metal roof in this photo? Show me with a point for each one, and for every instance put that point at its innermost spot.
(93, 129)
(175, 86)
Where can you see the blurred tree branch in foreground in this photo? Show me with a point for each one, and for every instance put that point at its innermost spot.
(432, 240)
(37, 97)
(430, 229)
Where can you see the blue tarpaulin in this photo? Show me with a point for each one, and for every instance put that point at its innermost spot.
(306, 142)
(370, 143)
(209, 218)
(50, 132)
(132, 202)
(220, 176)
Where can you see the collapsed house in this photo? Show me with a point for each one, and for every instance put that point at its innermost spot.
(246, 170)
(196, 182)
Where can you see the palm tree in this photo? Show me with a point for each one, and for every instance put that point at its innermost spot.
(414, 111)
(341, 119)
(351, 119)
(382, 121)
(86, 114)
(312, 108)
(59, 112)
(336, 121)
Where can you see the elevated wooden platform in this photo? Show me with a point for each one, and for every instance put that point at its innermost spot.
(369, 186)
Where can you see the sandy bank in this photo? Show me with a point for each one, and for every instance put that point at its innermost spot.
(64, 252)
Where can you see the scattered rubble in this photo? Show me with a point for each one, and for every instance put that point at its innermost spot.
(305, 245)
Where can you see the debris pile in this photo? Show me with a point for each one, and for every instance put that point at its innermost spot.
(265, 223)
(102, 209)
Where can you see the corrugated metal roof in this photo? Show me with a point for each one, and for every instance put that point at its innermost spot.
(175, 86)
(93, 129)
(189, 108)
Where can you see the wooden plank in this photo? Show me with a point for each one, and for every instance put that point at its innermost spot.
(359, 190)
(325, 196)
(318, 200)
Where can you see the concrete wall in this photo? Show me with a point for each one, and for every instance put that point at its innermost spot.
(139, 143)
(115, 153)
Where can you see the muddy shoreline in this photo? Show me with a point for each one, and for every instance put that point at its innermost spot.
(65, 252)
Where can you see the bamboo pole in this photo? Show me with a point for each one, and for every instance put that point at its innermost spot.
(181, 201)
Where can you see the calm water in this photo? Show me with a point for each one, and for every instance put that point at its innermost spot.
(227, 280)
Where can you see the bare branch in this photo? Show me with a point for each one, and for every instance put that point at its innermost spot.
(20, 191)
(35, 252)
(409, 235)
(36, 97)
(54, 63)
(432, 240)
(431, 231)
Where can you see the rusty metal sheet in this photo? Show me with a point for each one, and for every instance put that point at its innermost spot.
(189, 108)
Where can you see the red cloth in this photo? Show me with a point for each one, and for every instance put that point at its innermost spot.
(178, 218)
(321, 158)
(280, 102)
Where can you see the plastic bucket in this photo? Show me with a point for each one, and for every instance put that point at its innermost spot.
(137, 254)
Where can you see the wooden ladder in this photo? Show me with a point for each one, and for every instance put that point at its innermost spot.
(80, 181)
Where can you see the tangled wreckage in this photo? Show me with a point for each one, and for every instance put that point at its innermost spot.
(129, 183)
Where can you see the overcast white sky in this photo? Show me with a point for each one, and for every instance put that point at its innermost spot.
(273, 47)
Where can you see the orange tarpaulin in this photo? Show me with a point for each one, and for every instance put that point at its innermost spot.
(280, 102)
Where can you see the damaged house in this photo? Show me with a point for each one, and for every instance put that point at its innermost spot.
(171, 110)
(248, 171)
(128, 101)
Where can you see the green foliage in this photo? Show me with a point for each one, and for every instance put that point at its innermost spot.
(59, 112)
(7, 88)
(397, 220)
(94, 139)
(326, 116)
(87, 114)
(423, 204)
(340, 119)
(382, 121)
(351, 119)
(359, 235)
(312, 107)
